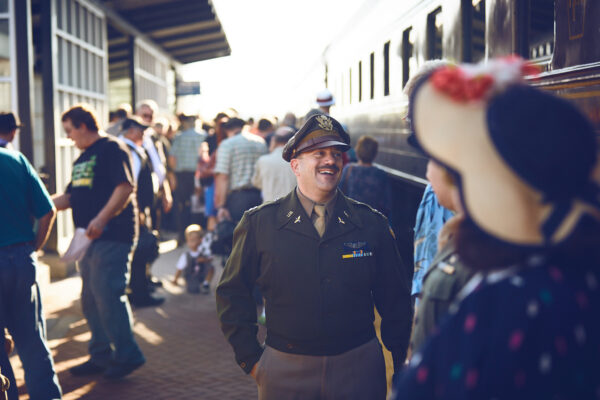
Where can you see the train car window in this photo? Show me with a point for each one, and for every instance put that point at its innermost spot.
(350, 86)
(372, 75)
(342, 98)
(473, 30)
(386, 69)
(537, 21)
(360, 81)
(434, 34)
(409, 62)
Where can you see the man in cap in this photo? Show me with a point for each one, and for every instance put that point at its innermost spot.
(133, 136)
(9, 124)
(325, 100)
(322, 262)
(102, 197)
(121, 114)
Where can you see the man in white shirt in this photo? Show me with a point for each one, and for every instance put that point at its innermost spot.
(272, 174)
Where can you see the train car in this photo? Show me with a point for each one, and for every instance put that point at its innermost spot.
(368, 64)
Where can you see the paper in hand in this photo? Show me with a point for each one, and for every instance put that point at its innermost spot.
(77, 248)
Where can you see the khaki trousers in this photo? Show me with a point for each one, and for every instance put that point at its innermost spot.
(356, 374)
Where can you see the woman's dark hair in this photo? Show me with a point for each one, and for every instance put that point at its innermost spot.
(483, 252)
(366, 149)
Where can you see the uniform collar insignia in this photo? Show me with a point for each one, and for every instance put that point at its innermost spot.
(297, 219)
(346, 214)
(289, 214)
(341, 221)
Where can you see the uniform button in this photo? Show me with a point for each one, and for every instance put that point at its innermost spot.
(289, 346)
(243, 364)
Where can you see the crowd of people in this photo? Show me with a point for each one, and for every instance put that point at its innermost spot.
(505, 276)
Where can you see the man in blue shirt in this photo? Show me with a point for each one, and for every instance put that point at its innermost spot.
(24, 198)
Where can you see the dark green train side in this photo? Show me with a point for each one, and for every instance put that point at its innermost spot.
(368, 64)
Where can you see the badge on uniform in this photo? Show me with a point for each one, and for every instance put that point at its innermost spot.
(447, 268)
(356, 250)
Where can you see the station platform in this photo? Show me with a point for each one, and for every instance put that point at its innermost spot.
(187, 355)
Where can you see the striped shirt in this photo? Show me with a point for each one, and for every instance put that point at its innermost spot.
(236, 157)
(185, 149)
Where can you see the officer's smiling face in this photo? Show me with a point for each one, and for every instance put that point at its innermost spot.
(318, 172)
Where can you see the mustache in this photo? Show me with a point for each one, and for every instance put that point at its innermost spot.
(333, 168)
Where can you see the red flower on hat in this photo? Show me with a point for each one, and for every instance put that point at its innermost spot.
(449, 80)
(458, 86)
(479, 81)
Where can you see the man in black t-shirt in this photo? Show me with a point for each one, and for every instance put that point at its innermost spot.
(101, 195)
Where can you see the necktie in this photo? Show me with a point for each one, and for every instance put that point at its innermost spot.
(320, 220)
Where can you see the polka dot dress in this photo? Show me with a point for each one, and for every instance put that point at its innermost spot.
(533, 333)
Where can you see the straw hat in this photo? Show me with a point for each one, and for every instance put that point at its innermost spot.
(325, 98)
(526, 161)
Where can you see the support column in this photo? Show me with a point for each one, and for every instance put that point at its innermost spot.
(132, 72)
(48, 10)
(24, 74)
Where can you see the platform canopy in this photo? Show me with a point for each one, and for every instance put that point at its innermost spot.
(187, 30)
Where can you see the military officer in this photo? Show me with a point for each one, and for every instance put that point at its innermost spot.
(322, 261)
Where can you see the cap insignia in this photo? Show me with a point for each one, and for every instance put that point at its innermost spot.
(325, 122)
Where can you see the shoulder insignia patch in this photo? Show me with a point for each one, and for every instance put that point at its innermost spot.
(255, 209)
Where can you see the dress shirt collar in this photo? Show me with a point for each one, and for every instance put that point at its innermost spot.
(309, 205)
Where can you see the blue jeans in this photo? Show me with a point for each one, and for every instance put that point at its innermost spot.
(21, 313)
(104, 273)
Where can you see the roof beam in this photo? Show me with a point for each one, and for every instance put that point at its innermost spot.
(185, 28)
(165, 8)
(197, 49)
(147, 25)
(225, 51)
(191, 40)
(198, 34)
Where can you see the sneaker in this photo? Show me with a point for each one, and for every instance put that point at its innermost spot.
(205, 288)
(149, 301)
(119, 371)
(155, 282)
(87, 368)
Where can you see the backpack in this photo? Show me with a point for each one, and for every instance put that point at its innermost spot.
(223, 238)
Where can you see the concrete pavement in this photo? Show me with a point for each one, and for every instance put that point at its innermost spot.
(187, 356)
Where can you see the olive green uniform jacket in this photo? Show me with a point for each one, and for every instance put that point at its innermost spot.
(442, 282)
(319, 292)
